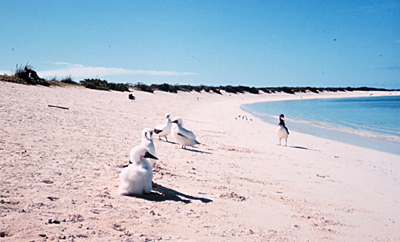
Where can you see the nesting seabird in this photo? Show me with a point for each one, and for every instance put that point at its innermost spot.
(147, 140)
(163, 130)
(183, 136)
(137, 177)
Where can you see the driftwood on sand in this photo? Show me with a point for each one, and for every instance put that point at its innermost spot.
(54, 106)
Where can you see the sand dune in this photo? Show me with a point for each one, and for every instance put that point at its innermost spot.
(59, 172)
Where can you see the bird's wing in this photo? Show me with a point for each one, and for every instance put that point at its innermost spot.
(186, 133)
(159, 128)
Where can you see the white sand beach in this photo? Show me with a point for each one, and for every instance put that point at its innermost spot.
(59, 171)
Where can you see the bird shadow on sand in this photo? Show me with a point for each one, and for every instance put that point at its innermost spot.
(295, 147)
(162, 194)
(301, 148)
(197, 151)
(168, 141)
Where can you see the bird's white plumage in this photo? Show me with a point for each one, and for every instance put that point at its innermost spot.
(282, 131)
(137, 177)
(183, 136)
(163, 130)
(147, 140)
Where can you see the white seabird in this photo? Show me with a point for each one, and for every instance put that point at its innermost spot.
(183, 136)
(282, 131)
(147, 140)
(137, 177)
(163, 130)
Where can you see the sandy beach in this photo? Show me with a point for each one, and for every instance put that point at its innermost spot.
(59, 171)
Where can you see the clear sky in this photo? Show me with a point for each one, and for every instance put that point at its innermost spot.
(216, 42)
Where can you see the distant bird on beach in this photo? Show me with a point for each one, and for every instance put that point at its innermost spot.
(282, 131)
(183, 136)
(163, 130)
(137, 177)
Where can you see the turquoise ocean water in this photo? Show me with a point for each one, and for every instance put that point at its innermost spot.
(371, 122)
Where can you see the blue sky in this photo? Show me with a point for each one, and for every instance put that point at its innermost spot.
(253, 43)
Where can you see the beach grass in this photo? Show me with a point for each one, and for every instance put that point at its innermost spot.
(25, 74)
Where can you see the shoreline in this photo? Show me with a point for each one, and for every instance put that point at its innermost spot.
(60, 170)
(347, 135)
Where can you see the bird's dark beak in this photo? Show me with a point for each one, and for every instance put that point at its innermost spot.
(175, 121)
(148, 155)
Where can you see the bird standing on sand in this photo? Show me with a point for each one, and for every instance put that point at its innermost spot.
(137, 177)
(183, 136)
(163, 130)
(147, 140)
(282, 131)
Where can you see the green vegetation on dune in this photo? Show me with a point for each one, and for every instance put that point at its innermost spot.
(26, 75)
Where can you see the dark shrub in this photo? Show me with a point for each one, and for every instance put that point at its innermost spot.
(121, 87)
(198, 88)
(312, 89)
(370, 89)
(286, 90)
(29, 75)
(184, 88)
(68, 80)
(266, 90)
(206, 88)
(331, 89)
(165, 87)
(95, 84)
(216, 90)
(231, 89)
(143, 87)
(252, 90)
(13, 79)
(104, 85)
